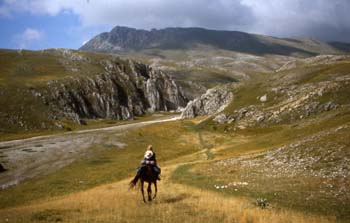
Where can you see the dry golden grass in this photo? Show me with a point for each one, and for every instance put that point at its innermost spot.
(175, 203)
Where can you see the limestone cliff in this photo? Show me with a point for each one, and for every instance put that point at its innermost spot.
(120, 92)
(39, 89)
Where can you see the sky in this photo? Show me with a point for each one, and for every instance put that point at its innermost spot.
(41, 24)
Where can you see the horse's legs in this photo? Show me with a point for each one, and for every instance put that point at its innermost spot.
(156, 189)
(143, 193)
(149, 192)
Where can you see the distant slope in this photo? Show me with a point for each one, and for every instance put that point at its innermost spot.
(341, 46)
(298, 90)
(39, 89)
(126, 39)
(204, 67)
(199, 59)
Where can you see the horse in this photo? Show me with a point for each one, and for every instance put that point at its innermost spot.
(146, 174)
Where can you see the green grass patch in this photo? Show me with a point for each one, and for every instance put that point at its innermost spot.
(184, 175)
(290, 193)
(301, 193)
(104, 164)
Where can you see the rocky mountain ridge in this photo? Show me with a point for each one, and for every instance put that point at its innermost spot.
(121, 39)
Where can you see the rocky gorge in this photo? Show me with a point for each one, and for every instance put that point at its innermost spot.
(86, 86)
(121, 92)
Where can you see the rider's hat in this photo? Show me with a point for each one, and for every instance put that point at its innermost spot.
(148, 154)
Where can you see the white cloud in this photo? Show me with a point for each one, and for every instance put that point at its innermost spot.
(322, 19)
(317, 18)
(36, 7)
(28, 37)
(142, 13)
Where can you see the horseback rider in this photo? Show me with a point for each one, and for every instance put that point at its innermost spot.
(150, 159)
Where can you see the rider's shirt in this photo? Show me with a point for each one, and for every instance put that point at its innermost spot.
(150, 161)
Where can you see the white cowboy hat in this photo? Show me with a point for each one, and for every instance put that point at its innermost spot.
(148, 154)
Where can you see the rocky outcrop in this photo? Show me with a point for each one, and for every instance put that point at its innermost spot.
(213, 101)
(123, 90)
(292, 104)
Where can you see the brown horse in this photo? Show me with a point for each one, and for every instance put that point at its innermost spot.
(148, 175)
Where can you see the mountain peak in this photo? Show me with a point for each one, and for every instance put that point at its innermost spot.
(122, 38)
(117, 29)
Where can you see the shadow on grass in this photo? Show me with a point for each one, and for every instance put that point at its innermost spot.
(175, 198)
(50, 215)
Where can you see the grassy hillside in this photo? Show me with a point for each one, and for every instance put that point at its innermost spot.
(300, 165)
(296, 157)
(291, 148)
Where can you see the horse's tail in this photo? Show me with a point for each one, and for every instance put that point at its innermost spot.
(133, 183)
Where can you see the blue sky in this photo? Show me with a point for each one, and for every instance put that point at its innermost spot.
(26, 30)
(47, 31)
(39, 24)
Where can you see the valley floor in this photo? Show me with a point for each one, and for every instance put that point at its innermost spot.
(194, 187)
(37, 156)
(175, 203)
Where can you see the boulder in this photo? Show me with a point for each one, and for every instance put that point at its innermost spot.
(263, 98)
(221, 118)
(260, 118)
(213, 101)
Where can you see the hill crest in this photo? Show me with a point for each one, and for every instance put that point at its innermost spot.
(124, 39)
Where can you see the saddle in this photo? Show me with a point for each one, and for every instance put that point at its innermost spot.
(150, 171)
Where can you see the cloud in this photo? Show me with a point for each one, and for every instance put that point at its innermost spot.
(28, 37)
(142, 13)
(35, 7)
(323, 19)
(159, 13)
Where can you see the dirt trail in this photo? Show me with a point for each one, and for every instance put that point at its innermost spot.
(27, 158)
